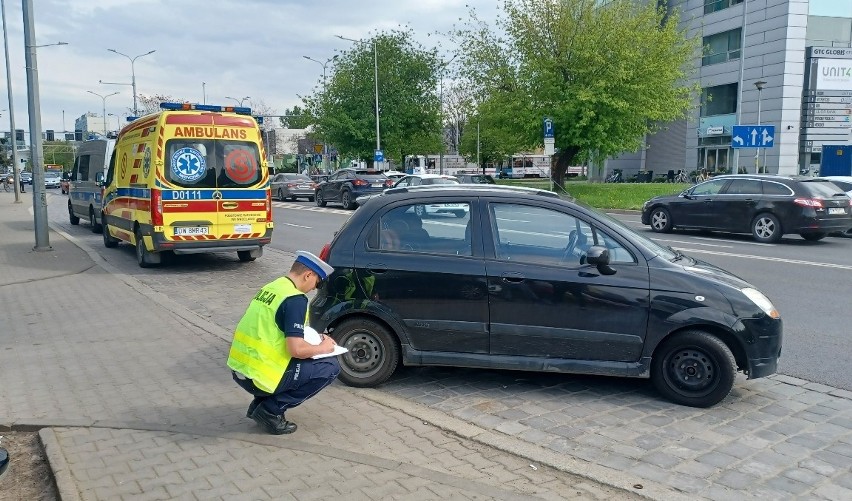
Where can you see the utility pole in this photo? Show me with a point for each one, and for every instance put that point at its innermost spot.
(16, 166)
(42, 239)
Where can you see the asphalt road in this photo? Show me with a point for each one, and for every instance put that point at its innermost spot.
(809, 282)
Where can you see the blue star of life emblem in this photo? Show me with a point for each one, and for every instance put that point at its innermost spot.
(188, 165)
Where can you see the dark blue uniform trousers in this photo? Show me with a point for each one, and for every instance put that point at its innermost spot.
(303, 379)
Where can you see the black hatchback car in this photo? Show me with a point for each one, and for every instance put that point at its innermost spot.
(529, 281)
(347, 185)
(766, 206)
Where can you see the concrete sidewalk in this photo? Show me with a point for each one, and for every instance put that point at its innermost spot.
(132, 398)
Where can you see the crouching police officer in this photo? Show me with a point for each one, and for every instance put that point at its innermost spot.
(269, 356)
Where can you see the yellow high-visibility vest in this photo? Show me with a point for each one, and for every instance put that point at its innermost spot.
(259, 350)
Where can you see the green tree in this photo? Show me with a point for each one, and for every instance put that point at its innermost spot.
(295, 118)
(343, 112)
(605, 75)
(151, 103)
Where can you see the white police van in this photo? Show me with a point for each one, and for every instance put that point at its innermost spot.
(84, 191)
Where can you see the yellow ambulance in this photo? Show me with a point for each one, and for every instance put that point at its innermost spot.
(192, 178)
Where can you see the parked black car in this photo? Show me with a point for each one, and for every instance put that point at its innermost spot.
(766, 206)
(346, 185)
(529, 281)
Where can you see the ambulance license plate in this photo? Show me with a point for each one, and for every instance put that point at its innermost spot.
(836, 210)
(192, 230)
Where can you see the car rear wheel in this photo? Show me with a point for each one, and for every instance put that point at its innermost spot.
(96, 227)
(420, 210)
(693, 368)
(109, 240)
(346, 200)
(280, 194)
(249, 256)
(766, 228)
(661, 220)
(813, 237)
(373, 352)
(320, 200)
(144, 257)
(71, 217)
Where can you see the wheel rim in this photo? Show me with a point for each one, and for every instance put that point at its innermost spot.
(764, 227)
(366, 354)
(659, 220)
(346, 199)
(319, 197)
(280, 195)
(691, 371)
(418, 210)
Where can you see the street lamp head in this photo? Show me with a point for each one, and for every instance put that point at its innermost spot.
(759, 84)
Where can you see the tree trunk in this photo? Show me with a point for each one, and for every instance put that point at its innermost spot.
(563, 160)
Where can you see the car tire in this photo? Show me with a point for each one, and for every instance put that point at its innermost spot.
(693, 368)
(109, 240)
(320, 200)
(766, 228)
(247, 256)
(420, 210)
(373, 354)
(74, 220)
(96, 227)
(144, 257)
(280, 194)
(661, 220)
(460, 214)
(346, 200)
(813, 237)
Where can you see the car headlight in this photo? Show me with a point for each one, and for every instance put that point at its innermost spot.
(645, 205)
(761, 301)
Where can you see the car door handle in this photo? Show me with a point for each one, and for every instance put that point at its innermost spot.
(512, 277)
(377, 268)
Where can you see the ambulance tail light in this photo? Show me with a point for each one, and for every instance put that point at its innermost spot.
(324, 253)
(268, 206)
(156, 207)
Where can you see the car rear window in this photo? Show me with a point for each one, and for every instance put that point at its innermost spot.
(822, 189)
(208, 163)
(843, 185)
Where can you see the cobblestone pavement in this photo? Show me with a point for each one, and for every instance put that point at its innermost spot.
(773, 438)
(134, 402)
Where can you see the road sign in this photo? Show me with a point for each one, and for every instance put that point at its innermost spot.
(317, 148)
(548, 128)
(753, 136)
(380, 156)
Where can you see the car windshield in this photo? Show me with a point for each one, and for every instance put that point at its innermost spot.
(439, 180)
(823, 189)
(664, 252)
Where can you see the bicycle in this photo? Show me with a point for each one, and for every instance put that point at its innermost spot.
(615, 177)
(681, 177)
(8, 184)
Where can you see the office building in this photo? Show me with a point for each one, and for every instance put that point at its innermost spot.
(784, 63)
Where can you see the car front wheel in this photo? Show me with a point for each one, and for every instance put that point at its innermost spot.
(766, 228)
(373, 352)
(320, 200)
(693, 368)
(661, 220)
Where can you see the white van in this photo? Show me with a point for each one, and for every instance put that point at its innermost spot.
(84, 192)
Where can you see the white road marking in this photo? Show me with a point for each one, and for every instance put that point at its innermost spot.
(294, 225)
(735, 241)
(292, 206)
(766, 258)
(692, 243)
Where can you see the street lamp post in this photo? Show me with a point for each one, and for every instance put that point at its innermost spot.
(132, 74)
(16, 166)
(376, 80)
(240, 101)
(325, 161)
(103, 98)
(117, 121)
(759, 84)
(441, 104)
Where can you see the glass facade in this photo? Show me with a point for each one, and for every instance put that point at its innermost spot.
(717, 5)
(828, 8)
(719, 100)
(722, 47)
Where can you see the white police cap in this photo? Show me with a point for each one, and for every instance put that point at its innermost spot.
(313, 262)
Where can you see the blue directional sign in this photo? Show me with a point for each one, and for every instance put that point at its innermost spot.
(753, 136)
(380, 156)
(548, 128)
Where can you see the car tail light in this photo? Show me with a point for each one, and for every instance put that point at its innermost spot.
(156, 207)
(809, 202)
(268, 206)
(360, 182)
(291, 185)
(326, 250)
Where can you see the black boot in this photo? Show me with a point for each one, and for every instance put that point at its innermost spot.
(272, 423)
(252, 406)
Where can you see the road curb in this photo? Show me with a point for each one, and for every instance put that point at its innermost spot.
(65, 484)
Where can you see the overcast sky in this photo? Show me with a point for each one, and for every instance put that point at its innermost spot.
(247, 48)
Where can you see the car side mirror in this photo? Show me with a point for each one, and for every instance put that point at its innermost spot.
(686, 194)
(598, 256)
(99, 178)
